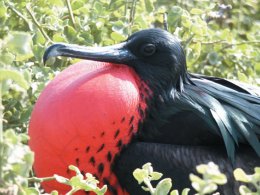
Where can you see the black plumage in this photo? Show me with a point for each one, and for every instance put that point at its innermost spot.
(191, 119)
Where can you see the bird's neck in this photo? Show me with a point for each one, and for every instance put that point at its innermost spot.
(164, 91)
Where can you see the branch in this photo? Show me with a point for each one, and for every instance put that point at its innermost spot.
(209, 43)
(71, 13)
(39, 180)
(38, 24)
(19, 14)
(228, 45)
(132, 15)
(241, 43)
(165, 21)
(1, 131)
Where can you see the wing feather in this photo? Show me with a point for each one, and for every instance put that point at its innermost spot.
(235, 110)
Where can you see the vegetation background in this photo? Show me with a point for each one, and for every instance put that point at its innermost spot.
(220, 38)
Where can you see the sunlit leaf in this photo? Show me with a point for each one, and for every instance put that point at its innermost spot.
(196, 11)
(163, 187)
(20, 44)
(149, 5)
(213, 58)
(14, 75)
(240, 175)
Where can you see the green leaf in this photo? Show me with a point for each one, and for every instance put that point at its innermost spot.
(31, 191)
(10, 136)
(240, 175)
(77, 4)
(202, 169)
(196, 11)
(197, 182)
(3, 9)
(242, 77)
(99, 7)
(7, 58)
(75, 169)
(20, 44)
(54, 192)
(209, 188)
(103, 189)
(219, 178)
(39, 38)
(186, 21)
(196, 29)
(77, 181)
(148, 167)
(149, 5)
(61, 179)
(185, 191)
(14, 75)
(193, 53)
(213, 58)
(163, 187)
(71, 33)
(174, 192)
(117, 36)
(156, 176)
(57, 2)
(257, 170)
(140, 174)
(244, 190)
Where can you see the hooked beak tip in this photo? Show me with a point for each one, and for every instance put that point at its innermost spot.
(52, 51)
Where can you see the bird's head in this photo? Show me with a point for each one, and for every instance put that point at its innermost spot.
(155, 55)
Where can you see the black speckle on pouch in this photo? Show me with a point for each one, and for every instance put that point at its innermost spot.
(116, 133)
(102, 134)
(123, 120)
(101, 148)
(140, 111)
(119, 144)
(100, 168)
(110, 188)
(109, 156)
(131, 129)
(87, 149)
(77, 161)
(131, 120)
(92, 160)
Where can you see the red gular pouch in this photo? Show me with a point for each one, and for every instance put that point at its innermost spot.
(84, 117)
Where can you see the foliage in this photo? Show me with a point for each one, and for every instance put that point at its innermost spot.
(77, 182)
(208, 184)
(16, 162)
(211, 177)
(254, 179)
(220, 41)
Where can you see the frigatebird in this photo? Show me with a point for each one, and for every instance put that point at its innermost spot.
(188, 119)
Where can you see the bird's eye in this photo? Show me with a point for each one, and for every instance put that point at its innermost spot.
(148, 49)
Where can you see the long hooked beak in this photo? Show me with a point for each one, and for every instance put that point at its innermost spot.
(116, 53)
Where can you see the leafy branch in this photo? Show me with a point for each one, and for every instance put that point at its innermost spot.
(76, 183)
(71, 13)
(20, 15)
(208, 183)
(38, 24)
